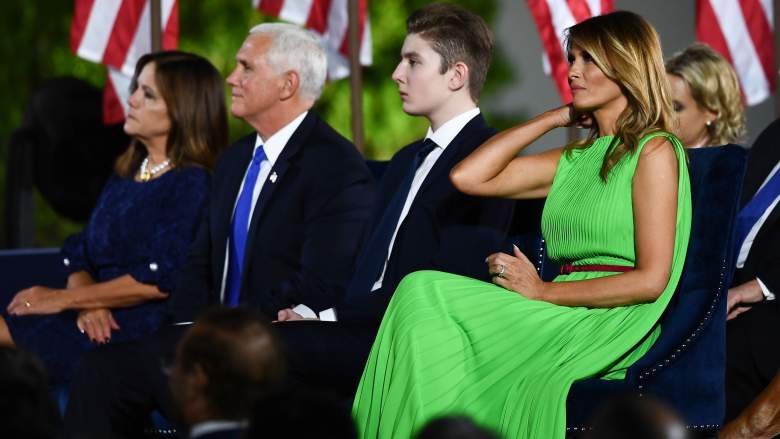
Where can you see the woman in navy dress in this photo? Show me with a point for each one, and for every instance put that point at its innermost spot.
(124, 264)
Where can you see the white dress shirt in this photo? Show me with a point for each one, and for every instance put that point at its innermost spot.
(208, 427)
(442, 137)
(273, 148)
(744, 250)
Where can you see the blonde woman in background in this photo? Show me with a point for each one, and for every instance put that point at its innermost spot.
(706, 97)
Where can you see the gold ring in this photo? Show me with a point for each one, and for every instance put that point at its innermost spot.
(27, 304)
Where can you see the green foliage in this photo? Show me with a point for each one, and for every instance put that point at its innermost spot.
(40, 48)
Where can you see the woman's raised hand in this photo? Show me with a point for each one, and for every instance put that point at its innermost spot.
(567, 115)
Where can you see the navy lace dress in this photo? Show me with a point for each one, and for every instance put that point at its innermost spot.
(140, 229)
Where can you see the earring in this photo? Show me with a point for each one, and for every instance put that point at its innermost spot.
(708, 123)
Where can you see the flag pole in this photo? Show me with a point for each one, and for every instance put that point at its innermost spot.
(355, 75)
(156, 26)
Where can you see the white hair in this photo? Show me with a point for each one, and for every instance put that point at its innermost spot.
(294, 48)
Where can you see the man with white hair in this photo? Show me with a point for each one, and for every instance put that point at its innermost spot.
(288, 207)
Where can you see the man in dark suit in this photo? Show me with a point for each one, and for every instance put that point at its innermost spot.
(287, 212)
(225, 364)
(752, 356)
(423, 222)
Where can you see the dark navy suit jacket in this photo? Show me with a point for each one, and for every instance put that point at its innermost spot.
(304, 233)
(444, 230)
(764, 257)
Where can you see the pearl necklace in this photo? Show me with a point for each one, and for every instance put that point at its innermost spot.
(147, 173)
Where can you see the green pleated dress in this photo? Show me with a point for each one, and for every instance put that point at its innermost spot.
(454, 345)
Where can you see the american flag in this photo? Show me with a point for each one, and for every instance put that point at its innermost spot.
(116, 33)
(329, 19)
(552, 18)
(742, 31)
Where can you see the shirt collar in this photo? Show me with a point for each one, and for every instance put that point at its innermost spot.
(207, 427)
(450, 129)
(275, 144)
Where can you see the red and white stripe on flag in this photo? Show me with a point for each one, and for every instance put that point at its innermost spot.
(329, 19)
(116, 33)
(741, 31)
(552, 18)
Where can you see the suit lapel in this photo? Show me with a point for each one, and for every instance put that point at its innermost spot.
(770, 221)
(290, 151)
(768, 159)
(226, 200)
(452, 153)
(762, 157)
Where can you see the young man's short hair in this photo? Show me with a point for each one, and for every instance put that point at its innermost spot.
(456, 34)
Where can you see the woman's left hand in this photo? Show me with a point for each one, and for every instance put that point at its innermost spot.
(37, 300)
(516, 273)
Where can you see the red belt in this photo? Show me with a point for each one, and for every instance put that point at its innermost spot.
(569, 268)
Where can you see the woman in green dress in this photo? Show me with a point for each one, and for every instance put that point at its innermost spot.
(617, 217)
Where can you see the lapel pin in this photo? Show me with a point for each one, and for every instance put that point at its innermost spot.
(273, 177)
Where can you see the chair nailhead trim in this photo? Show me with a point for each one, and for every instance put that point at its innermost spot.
(697, 331)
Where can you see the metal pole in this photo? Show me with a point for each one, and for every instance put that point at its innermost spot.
(355, 75)
(776, 13)
(156, 18)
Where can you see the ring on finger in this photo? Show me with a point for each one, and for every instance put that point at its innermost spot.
(27, 304)
(500, 272)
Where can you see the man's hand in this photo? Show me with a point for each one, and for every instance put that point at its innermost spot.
(287, 314)
(742, 297)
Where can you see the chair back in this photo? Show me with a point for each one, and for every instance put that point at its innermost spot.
(23, 268)
(685, 367)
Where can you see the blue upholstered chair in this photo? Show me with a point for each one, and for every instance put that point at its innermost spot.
(685, 367)
(22, 268)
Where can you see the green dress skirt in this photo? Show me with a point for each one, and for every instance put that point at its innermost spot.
(454, 345)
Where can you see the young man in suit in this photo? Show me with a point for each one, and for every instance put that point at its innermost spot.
(752, 357)
(288, 208)
(423, 222)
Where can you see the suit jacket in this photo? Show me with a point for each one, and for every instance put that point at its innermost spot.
(763, 261)
(304, 234)
(444, 230)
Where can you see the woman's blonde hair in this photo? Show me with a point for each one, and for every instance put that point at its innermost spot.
(714, 86)
(627, 49)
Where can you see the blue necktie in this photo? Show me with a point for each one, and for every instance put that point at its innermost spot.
(753, 210)
(374, 254)
(240, 228)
